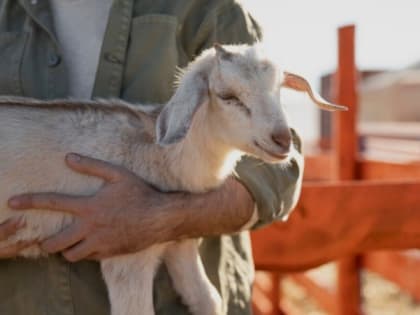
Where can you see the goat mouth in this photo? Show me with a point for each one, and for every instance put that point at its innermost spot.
(277, 156)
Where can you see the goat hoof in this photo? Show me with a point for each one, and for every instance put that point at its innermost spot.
(210, 306)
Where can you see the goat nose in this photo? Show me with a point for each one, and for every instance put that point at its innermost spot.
(282, 138)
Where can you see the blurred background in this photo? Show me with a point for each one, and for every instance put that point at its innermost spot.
(301, 35)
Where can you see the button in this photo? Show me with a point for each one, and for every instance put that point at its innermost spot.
(112, 58)
(53, 60)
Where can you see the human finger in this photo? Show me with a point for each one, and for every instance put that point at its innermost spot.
(51, 201)
(64, 239)
(94, 167)
(80, 251)
(10, 227)
(94, 256)
(11, 251)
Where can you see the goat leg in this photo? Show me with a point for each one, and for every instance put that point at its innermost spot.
(129, 279)
(190, 280)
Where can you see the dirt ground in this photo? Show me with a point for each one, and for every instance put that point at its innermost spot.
(380, 297)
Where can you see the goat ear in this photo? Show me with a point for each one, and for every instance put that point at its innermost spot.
(222, 53)
(175, 118)
(298, 83)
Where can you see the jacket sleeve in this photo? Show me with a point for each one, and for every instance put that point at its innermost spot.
(274, 187)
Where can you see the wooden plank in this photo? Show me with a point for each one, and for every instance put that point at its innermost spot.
(379, 214)
(398, 267)
(266, 293)
(345, 81)
(370, 169)
(349, 286)
(345, 144)
(261, 304)
(318, 168)
(275, 293)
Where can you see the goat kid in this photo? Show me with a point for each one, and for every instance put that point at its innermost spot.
(226, 105)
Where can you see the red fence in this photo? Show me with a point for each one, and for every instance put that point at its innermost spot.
(383, 196)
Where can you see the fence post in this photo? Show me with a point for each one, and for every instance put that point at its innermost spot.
(345, 147)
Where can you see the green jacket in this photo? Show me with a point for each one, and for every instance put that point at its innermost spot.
(145, 41)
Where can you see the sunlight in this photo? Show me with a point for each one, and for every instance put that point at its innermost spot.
(301, 35)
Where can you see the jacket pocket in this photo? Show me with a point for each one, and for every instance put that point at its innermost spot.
(12, 46)
(152, 58)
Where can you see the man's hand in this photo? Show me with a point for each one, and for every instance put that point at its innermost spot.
(120, 218)
(7, 229)
(127, 215)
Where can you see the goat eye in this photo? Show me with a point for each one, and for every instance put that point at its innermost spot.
(233, 100)
(228, 97)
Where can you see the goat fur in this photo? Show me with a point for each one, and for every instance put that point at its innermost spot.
(191, 144)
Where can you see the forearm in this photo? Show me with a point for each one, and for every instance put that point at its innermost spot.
(221, 211)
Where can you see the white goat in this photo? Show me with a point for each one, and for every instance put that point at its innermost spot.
(226, 105)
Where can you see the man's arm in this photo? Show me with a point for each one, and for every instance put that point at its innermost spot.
(222, 211)
(127, 215)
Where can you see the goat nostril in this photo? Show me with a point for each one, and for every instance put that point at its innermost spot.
(282, 139)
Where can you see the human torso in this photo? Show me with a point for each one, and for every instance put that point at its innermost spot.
(80, 27)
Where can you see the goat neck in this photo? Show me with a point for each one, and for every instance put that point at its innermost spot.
(201, 161)
(197, 163)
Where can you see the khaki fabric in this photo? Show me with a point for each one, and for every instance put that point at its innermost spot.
(145, 41)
